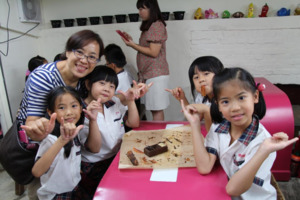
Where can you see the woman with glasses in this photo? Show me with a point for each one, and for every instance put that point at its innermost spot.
(82, 52)
(151, 57)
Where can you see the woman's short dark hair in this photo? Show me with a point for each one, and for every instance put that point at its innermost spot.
(154, 11)
(81, 38)
(204, 63)
(247, 82)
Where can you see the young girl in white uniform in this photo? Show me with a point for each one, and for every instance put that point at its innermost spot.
(101, 84)
(59, 155)
(246, 150)
(201, 73)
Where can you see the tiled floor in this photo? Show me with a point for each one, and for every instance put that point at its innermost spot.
(7, 188)
(290, 189)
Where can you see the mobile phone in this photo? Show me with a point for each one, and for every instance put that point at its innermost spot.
(122, 35)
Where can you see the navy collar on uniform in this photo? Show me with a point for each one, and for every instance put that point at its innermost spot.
(248, 135)
(109, 103)
(121, 71)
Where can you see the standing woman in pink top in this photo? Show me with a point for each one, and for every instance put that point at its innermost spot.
(151, 57)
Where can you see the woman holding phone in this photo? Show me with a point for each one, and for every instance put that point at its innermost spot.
(151, 57)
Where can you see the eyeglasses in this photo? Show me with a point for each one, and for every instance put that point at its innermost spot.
(79, 54)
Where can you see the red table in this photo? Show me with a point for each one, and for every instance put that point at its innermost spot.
(279, 118)
(135, 184)
(128, 184)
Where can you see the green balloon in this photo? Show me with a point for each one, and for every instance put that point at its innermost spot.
(226, 14)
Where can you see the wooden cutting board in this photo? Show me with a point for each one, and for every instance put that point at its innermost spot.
(179, 154)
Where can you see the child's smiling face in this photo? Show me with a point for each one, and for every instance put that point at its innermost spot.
(103, 89)
(203, 78)
(68, 108)
(236, 103)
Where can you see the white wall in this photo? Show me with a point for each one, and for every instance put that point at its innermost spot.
(15, 60)
(265, 46)
(5, 119)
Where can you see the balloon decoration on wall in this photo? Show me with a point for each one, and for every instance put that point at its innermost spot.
(264, 11)
(250, 11)
(210, 14)
(226, 14)
(198, 14)
(283, 12)
(297, 10)
(238, 14)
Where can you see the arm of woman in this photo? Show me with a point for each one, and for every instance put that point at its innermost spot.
(242, 180)
(37, 128)
(152, 51)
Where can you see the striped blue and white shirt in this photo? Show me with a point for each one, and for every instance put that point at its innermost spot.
(40, 82)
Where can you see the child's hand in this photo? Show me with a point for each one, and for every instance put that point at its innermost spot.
(277, 142)
(142, 87)
(42, 127)
(190, 113)
(68, 131)
(137, 91)
(201, 109)
(131, 94)
(93, 108)
(178, 93)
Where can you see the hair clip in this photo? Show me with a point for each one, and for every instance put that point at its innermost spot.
(260, 87)
(27, 72)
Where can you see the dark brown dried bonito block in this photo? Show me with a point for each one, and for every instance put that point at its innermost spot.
(156, 149)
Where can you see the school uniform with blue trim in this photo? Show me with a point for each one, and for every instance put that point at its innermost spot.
(94, 165)
(111, 127)
(63, 174)
(199, 99)
(234, 156)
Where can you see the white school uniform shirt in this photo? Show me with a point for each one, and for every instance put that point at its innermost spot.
(63, 174)
(199, 99)
(125, 81)
(235, 156)
(111, 127)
